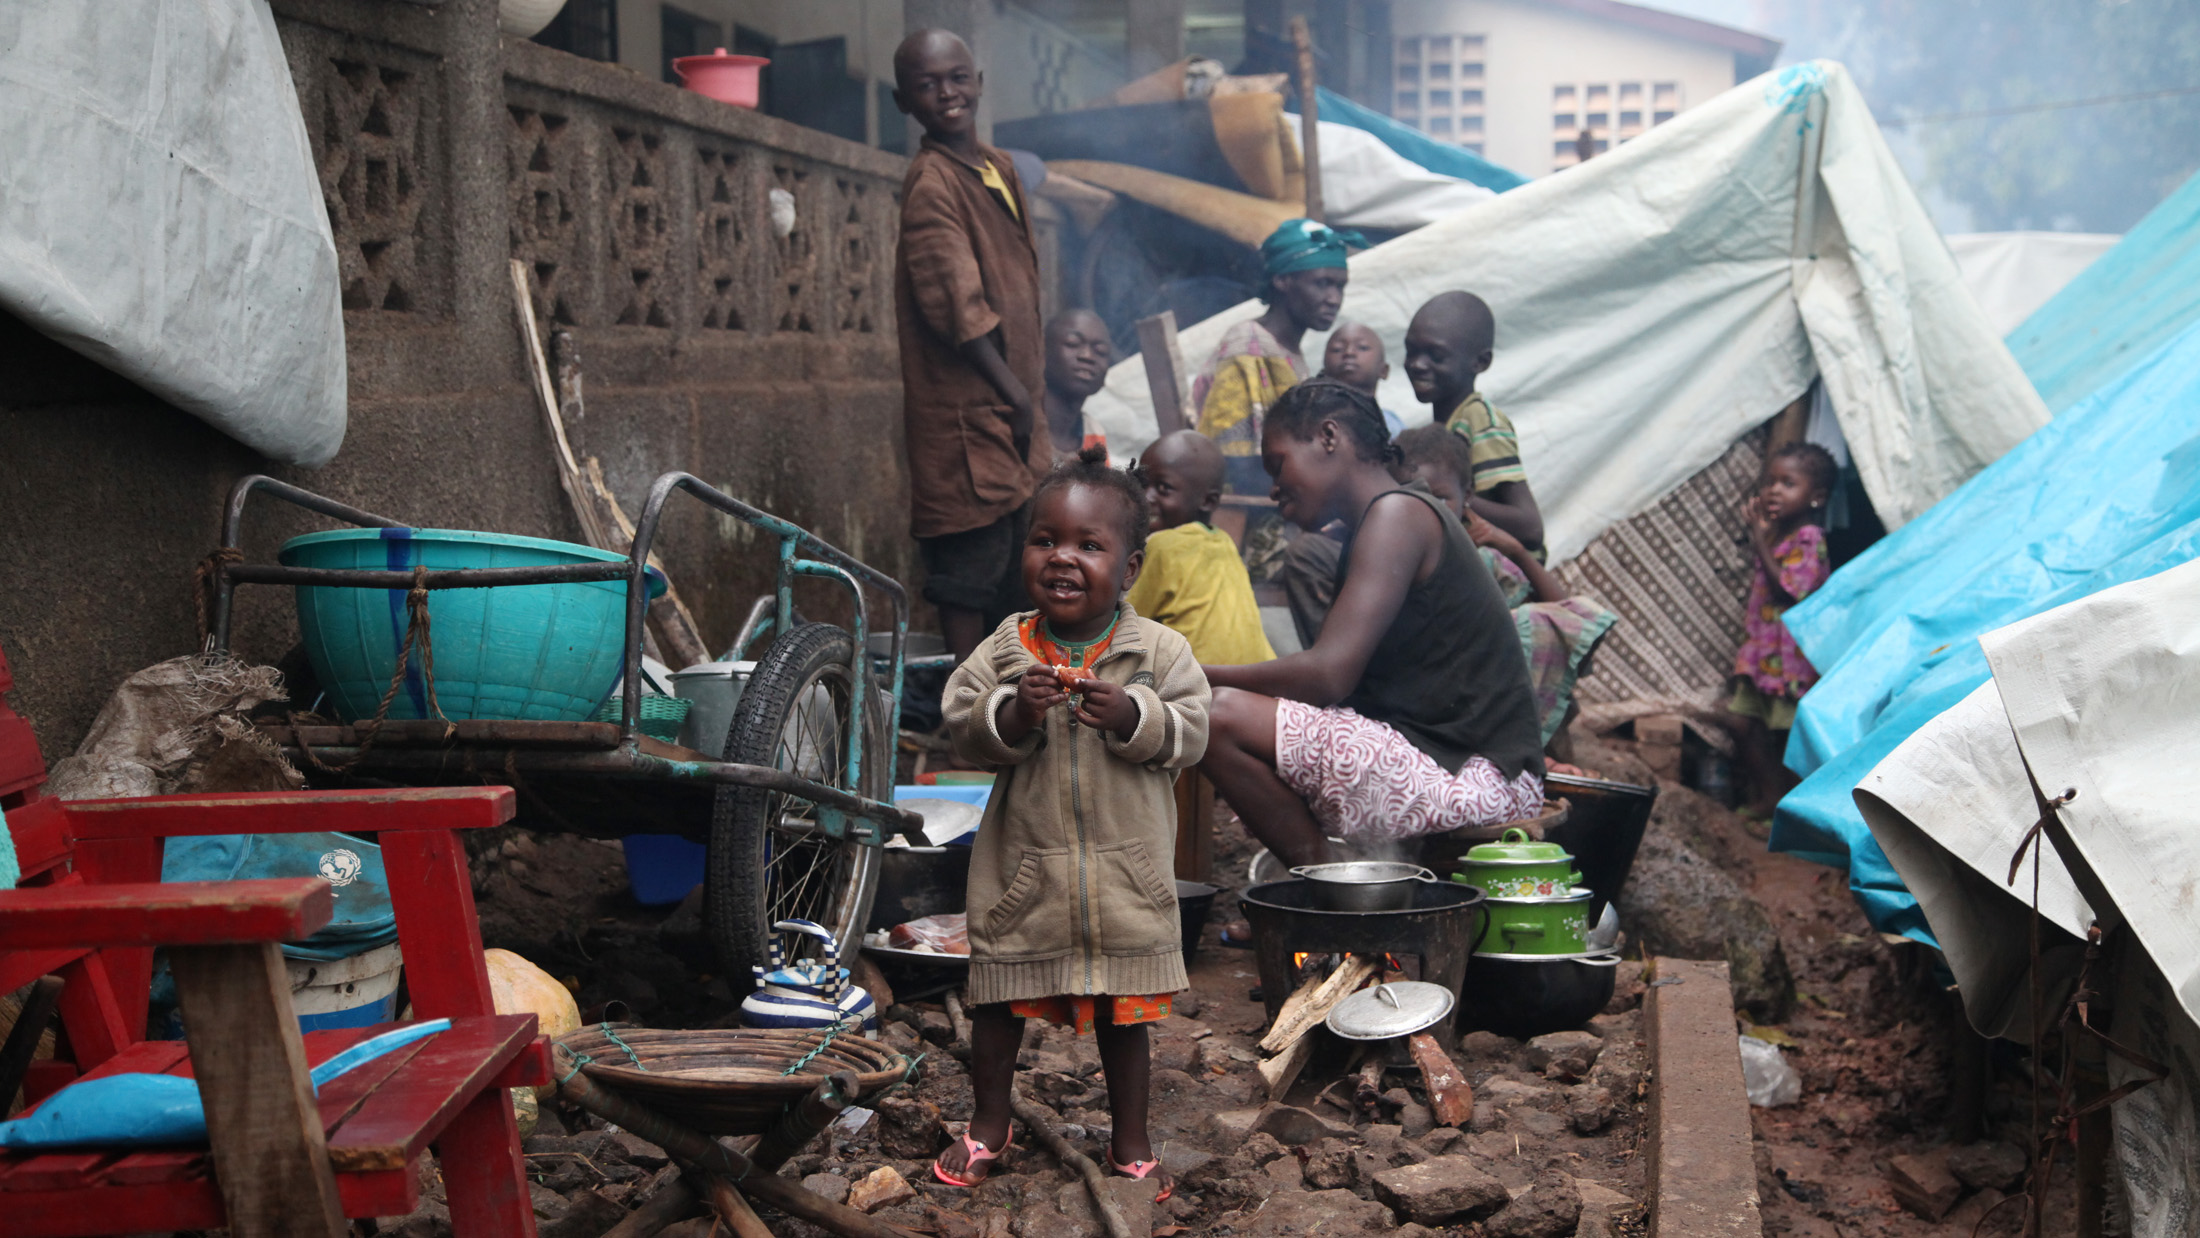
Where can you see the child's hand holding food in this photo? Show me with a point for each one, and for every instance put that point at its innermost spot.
(1107, 707)
(1036, 693)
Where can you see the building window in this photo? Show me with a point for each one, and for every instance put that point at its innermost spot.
(1409, 101)
(1566, 122)
(1630, 92)
(1439, 99)
(1474, 147)
(685, 34)
(587, 28)
(1470, 44)
(1440, 72)
(1563, 150)
(1659, 118)
(1439, 47)
(1409, 75)
(1630, 120)
(1599, 94)
(1470, 124)
(1440, 124)
(1470, 98)
(1409, 49)
(1666, 94)
(1562, 95)
(1600, 120)
(1472, 69)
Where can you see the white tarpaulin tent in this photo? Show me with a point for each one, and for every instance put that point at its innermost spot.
(2010, 274)
(2095, 697)
(1657, 302)
(1365, 184)
(163, 216)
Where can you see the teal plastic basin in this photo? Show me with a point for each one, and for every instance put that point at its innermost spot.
(539, 652)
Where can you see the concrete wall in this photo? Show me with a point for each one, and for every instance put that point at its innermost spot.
(1529, 48)
(764, 364)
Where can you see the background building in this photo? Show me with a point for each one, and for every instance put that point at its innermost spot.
(1516, 81)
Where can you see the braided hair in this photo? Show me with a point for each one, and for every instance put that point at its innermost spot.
(1300, 411)
(1090, 468)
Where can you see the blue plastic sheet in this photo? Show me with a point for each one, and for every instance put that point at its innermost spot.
(2131, 301)
(2106, 493)
(363, 919)
(1442, 158)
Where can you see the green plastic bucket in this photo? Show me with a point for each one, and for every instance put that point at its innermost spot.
(545, 653)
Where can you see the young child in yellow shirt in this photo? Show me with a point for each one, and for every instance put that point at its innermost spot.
(1194, 581)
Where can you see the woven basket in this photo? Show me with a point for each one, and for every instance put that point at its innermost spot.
(726, 1081)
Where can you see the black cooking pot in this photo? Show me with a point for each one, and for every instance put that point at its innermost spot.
(1524, 1000)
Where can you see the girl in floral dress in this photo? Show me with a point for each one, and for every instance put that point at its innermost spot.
(1770, 672)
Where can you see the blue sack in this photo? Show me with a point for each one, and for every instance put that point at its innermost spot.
(139, 1110)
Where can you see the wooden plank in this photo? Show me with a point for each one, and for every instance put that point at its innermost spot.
(18, 968)
(52, 1171)
(294, 812)
(388, 1193)
(166, 913)
(1195, 826)
(40, 830)
(93, 1212)
(430, 733)
(1449, 1093)
(270, 1155)
(347, 1092)
(1310, 133)
(1166, 379)
(1315, 999)
(433, 896)
(160, 1165)
(414, 1106)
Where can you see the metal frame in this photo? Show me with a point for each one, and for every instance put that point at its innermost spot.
(841, 814)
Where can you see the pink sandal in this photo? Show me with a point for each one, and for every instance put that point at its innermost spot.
(1141, 1170)
(975, 1157)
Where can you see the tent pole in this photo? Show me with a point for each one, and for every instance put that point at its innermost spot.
(1310, 118)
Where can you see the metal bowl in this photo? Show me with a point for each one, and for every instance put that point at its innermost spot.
(1365, 885)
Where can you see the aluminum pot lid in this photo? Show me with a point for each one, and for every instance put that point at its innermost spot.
(1515, 847)
(1400, 1008)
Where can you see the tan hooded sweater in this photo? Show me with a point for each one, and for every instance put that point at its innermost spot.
(1070, 888)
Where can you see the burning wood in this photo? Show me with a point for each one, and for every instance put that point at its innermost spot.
(1302, 1012)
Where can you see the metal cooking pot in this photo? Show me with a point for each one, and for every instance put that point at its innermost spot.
(1516, 866)
(1364, 885)
(1541, 926)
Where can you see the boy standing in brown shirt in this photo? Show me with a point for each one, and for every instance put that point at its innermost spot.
(966, 300)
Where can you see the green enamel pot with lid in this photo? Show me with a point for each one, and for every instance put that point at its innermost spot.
(1517, 866)
(1538, 926)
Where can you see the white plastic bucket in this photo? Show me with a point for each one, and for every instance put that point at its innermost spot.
(356, 992)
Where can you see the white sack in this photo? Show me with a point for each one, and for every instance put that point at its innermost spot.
(2010, 274)
(1656, 303)
(162, 214)
(1365, 184)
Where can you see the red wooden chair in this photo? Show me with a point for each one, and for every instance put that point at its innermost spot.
(91, 910)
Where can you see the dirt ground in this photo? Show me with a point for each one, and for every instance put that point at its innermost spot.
(1871, 1035)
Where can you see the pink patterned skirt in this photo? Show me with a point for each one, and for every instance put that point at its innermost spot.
(1362, 779)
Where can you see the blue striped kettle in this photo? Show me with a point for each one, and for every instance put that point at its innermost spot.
(810, 994)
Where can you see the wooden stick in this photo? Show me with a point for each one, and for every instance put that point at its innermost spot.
(959, 1017)
(1313, 1002)
(1310, 140)
(1040, 1127)
(1367, 1086)
(546, 394)
(1282, 1070)
(673, 1202)
(1449, 1093)
(1164, 362)
(734, 1210)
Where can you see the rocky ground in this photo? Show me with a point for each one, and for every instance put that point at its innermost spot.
(1553, 1147)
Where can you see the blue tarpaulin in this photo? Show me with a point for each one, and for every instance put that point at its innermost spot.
(2127, 304)
(1443, 158)
(2108, 492)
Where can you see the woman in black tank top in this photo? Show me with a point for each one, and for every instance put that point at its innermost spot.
(1419, 638)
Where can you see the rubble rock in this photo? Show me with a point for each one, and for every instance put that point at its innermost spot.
(882, 1187)
(1285, 1173)
(639, 1152)
(1441, 1191)
(1331, 1166)
(1503, 1093)
(901, 1038)
(1292, 1126)
(1261, 1147)
(948, 1224)
(1167, 1084)
(1416, 1119)
(828, 1186)
(1443, 1139)
(910, 1129)
(1226, 1129)
(1923, 1185)
(1987, 1166)
(1549, 1209)
(1487, 1047)
(1591, 1109)
(1317, 1214)
(590, 1213)
(1538, 1123)
(430, 1220)
(936, 1027)
(1074, 1204)
(1176, 1053)
(1677, 903)
(1564, 1055)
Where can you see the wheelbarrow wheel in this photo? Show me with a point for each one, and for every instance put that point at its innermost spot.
(769, 860)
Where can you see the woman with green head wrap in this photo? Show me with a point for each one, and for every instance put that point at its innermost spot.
(1302, 282)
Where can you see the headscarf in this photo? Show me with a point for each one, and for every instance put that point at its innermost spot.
(1304, 245)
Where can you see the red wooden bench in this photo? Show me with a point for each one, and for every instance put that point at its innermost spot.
(91, 910)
